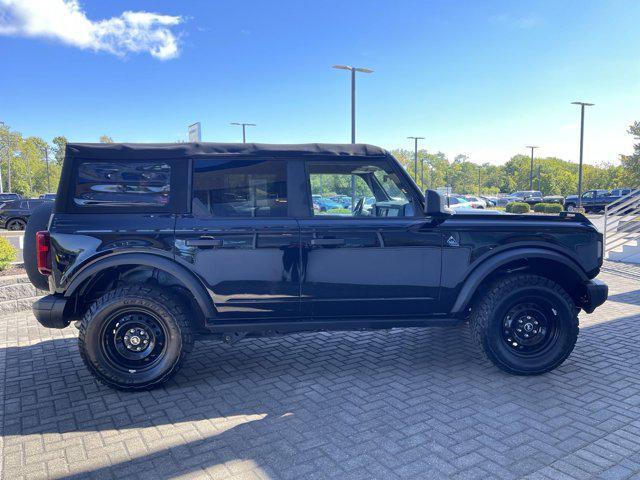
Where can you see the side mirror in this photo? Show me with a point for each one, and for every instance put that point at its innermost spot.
(434, 203)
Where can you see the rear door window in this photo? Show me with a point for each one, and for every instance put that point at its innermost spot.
(240, 188)
(123, 184)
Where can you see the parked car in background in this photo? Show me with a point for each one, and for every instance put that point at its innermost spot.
(592, 201)
(325, 203)
(7, 197)
(503, 201)
(48, 196)
(553, 199)
(476, 202)
(621, 192)
(491, 201)
(15, 213)
(527, 196)
(343, 200)
(456, 201)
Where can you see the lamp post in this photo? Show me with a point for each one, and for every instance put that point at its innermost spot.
(353, 71)
(582, 105)
(531, 168)
(244, 125)
(415, 161)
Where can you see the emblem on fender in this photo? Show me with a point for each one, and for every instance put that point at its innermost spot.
(452, 241)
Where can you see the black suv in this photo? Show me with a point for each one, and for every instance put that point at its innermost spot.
(148, 246)
(14, 214)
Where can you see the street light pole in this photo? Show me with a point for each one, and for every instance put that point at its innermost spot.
(531, 167)
(353, 71)
(415, 161)
(244, 125)
(582, 105)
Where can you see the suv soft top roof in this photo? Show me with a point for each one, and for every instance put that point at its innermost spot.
(139, 151)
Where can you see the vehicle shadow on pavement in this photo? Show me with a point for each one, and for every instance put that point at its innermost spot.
(632, 297)
(408, 403)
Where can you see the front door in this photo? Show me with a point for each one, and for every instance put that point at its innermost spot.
(239, 238)
(366, 249)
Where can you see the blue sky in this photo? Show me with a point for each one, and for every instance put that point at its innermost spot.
(480, 78)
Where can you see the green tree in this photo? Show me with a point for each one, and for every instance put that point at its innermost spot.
(59, 149)
(630, 164)
(24, 166)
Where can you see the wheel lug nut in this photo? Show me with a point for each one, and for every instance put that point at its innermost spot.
(526, 335)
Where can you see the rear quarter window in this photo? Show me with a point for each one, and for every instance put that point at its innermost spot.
(122, 184)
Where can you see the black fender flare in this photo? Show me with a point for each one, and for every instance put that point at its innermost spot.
(489, 265)
(182, 274)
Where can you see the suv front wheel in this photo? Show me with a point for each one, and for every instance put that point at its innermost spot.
(135, 337)
(525, 324)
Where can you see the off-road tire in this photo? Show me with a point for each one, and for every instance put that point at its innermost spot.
(488, 317)
(170, 312)
(38, 221)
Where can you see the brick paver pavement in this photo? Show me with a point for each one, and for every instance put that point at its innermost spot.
(408, 403)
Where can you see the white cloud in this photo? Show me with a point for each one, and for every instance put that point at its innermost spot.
(64, 20)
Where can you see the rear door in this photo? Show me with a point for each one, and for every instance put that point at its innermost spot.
(380, 257)
(239, 237)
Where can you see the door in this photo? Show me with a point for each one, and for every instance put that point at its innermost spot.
(372, 256)
(239, 238)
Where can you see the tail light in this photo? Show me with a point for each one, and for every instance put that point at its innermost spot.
(43, 252)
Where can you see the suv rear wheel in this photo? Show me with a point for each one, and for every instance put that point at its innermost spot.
(16, 224)
(135, 337)
(525, 324)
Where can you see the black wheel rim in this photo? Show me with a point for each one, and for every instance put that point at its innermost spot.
(15, 225)
(133, 341)
(530, 327)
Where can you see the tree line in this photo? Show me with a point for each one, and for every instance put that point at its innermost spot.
(31, 166)
(551, 175)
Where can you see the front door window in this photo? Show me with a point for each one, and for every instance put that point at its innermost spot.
(363, 188)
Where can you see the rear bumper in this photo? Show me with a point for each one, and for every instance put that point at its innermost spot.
(596, 293)
(50, 311)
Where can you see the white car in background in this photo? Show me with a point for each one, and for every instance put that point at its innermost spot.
(476, 202)
(457, 201)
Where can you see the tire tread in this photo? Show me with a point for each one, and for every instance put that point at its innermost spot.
(484, 309)
(169, 300)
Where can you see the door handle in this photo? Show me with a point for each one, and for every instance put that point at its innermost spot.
(317, 242)
(204, 242)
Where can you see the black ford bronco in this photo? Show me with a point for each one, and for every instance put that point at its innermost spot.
(149, 245)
